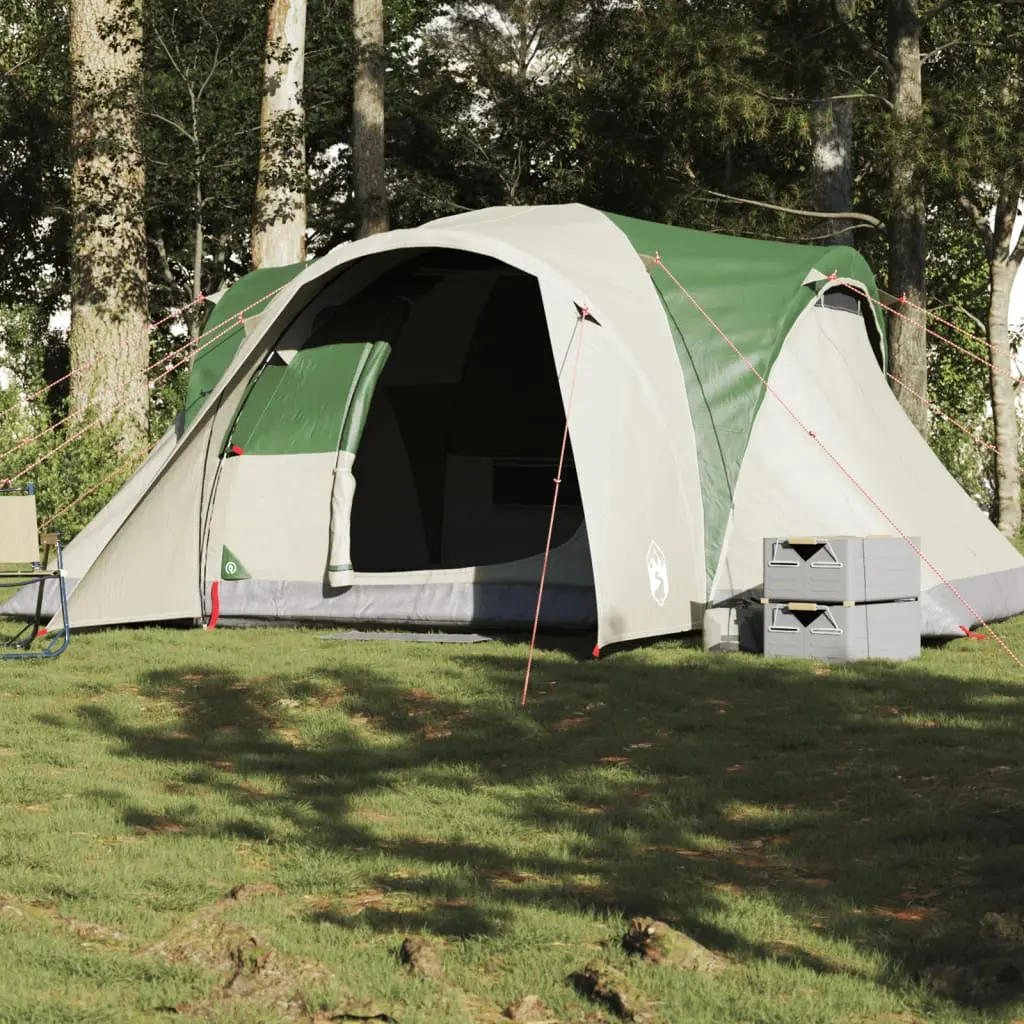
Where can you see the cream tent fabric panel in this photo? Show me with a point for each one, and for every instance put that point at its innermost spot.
(149, 570)
(276, 508)
(79, 556)
(789, 487)
(636, 511)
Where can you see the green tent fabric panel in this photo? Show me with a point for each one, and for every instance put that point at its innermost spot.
(754, 291)
(211, 362)
(362, 395)
(299, 408)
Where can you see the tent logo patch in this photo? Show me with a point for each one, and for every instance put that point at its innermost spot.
(657, 574)
(231, 567)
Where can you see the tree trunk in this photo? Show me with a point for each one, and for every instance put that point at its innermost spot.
(1004, 263)
(832, 150)
(279, 221)
(907, 237)
(368, 166)
(109, 317)
(196, 314)
(832, 162)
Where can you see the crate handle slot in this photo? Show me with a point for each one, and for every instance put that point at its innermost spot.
(833, 628)
(775, 559)
(793, 543)
(834, 564)
(775, 626)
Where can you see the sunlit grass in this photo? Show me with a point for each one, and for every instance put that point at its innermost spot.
(831, 831)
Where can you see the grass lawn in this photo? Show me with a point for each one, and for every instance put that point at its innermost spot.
(838, 835)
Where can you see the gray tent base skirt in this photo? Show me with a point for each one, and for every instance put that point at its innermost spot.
(427, 605)
(993, 597)
(411, 638)
(23, 604)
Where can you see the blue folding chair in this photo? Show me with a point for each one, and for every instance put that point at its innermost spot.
(22, 564)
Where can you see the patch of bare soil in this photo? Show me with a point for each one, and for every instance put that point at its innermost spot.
(995, 973)
(530, 1010)
(421, 957)
(610, 988)
(1005, 927)
(657, 943)
(994, 978)
(251, 971)
(253, 890)
(92, 935)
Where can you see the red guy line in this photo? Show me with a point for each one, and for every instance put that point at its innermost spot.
(219, 332)
(942, 412)
(110, 476)
(934, 334)
(576, 334)
(101, 356)
(948, 323)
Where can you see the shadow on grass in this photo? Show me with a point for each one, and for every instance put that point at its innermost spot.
(881, 805)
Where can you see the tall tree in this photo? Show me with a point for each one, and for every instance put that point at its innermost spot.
(1005, 257)
(369, 170)
(832, 161)
(900, 59)
(986, 175)
(513, 61)
(832, 156)
(908, 243)
(915, 34)
(279, 223)
(109, 337)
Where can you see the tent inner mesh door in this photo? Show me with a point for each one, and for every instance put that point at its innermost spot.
(458, 457)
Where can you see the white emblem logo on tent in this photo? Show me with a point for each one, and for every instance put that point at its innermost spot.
(657, 574)
(230, 568)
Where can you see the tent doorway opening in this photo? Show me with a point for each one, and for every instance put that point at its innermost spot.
(459, 452)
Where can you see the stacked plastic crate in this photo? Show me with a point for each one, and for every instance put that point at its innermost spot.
(842, 598)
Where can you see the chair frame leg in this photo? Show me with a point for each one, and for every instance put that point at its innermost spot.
(58, 643)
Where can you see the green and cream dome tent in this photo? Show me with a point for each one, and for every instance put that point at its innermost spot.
(372, 437)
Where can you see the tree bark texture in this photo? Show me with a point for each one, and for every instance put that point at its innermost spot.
(368, 157)
(832, 162)
(279, 221)
(907, 234)
(1004, 263)
(109, 317)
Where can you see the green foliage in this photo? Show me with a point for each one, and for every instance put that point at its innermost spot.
(957, 383)
(979, 140)
(72, 460)
(85, 474)
(34, 154)
(204, 61)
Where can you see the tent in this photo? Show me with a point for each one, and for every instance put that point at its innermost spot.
(376, 442)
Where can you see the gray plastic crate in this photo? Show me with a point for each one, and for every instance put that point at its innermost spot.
(831, 570)
(890, 629)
